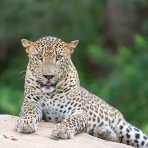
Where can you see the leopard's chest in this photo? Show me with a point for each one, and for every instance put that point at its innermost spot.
(57, 108)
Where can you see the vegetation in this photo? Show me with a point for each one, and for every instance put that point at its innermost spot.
(112, 57)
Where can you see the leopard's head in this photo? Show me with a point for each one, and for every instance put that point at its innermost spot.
(49, 59)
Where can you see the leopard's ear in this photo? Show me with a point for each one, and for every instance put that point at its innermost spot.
(28, 45)
(72, 45)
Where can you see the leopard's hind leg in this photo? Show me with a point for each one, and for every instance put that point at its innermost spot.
(104, 131)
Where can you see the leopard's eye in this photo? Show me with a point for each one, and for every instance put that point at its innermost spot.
(58, 57)
(39, 57)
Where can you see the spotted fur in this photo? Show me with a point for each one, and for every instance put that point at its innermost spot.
(53, 93)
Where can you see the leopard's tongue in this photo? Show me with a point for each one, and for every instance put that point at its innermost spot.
(48, 85)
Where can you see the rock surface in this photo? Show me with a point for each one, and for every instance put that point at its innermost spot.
(9, 138)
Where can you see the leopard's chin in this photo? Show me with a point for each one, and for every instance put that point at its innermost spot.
(48, 87)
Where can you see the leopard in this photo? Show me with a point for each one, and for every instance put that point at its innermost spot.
(53, 93)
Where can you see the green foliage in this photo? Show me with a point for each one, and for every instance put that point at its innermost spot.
(10, 100)
(35, 18)
(11, 86)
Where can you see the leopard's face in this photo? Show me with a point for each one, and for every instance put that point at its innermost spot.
(49, 59)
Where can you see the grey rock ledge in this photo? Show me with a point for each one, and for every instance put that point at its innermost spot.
(9, 138)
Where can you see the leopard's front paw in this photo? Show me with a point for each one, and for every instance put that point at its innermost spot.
(63, 133)
(26, 125)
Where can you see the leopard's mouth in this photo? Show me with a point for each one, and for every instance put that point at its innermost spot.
(48, 84)
(47, 87)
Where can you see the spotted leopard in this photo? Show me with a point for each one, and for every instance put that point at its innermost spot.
(53, 93)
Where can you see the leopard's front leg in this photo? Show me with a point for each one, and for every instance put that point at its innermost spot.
(30, 116)
(71, 126)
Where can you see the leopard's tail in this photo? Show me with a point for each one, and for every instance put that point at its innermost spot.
(131, 135)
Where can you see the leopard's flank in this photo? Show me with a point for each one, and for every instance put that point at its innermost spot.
(53, 93)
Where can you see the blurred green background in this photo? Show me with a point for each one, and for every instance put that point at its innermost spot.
(112, 57)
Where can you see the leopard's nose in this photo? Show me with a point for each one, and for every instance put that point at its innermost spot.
(48, 76)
